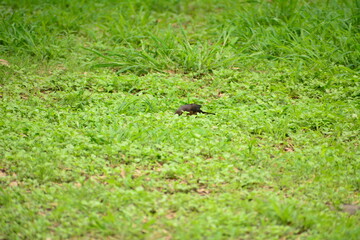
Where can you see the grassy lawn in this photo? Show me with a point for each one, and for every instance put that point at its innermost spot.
(90, 147)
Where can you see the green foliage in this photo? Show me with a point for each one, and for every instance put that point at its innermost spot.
(90, 146)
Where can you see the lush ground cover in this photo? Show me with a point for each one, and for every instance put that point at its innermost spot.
(90, 146)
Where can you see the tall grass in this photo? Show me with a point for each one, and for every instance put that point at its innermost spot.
(288, 31)
(184, 36)
(171, 53)
(301, 30)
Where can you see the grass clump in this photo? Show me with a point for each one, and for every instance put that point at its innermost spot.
(91, 147)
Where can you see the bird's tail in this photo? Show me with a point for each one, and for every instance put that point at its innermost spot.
(208, 113)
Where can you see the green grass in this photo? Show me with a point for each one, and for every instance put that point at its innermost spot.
(90, 146)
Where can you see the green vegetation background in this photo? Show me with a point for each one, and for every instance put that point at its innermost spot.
(90, 147)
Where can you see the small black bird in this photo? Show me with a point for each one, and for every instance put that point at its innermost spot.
(192, 109)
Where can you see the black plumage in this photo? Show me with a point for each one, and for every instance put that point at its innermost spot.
(191, 109)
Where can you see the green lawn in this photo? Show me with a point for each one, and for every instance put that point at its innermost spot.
(90, 147)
